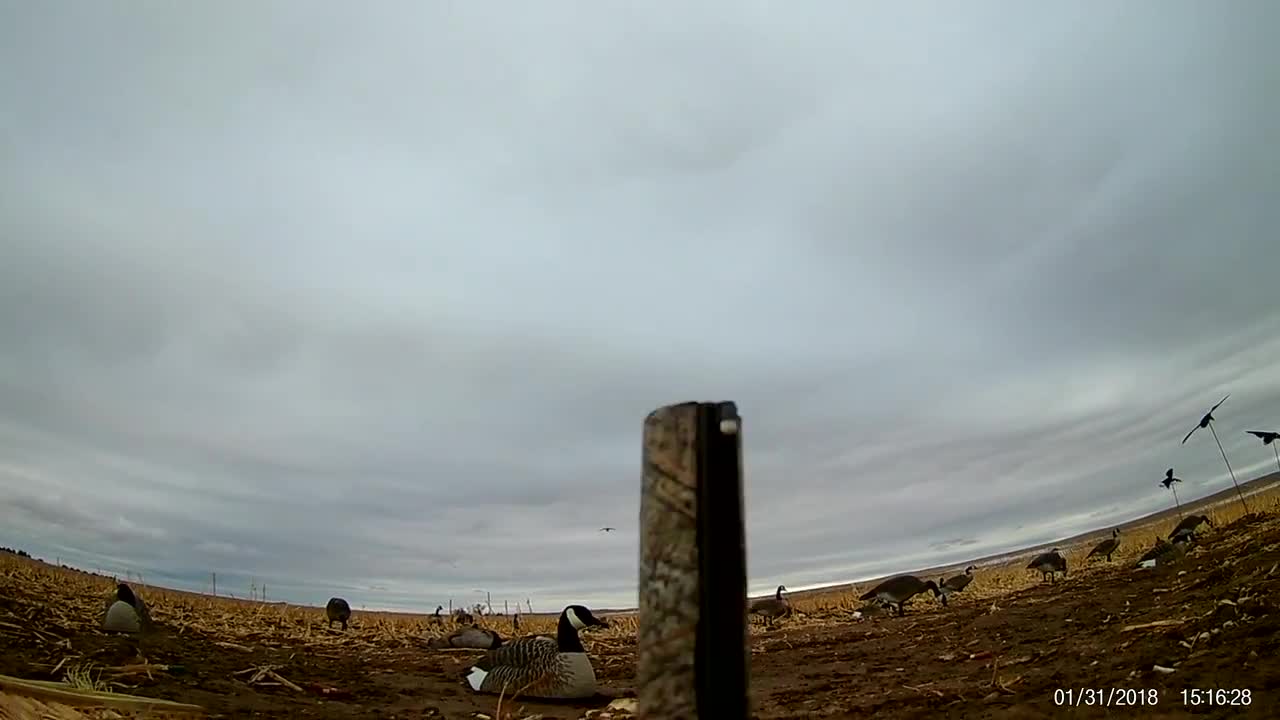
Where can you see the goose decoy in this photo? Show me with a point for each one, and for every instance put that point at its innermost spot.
(1049, 564)
(1187, 527)
(1268, 438)
(1106, 547)
(1164, 552)
(898, 590)
(540, 666)
(955, 584)
(435, 616)
(1168, 483)
(771, 608)
(462, 617)
(469, 637)
(337, 610)
(1205, 421)
(126, 613)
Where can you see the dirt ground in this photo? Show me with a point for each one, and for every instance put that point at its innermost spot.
(978, 658)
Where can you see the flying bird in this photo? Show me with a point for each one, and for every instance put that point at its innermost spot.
(1204, 421)
(1207, 422)
(1268, 438)
(607, 529)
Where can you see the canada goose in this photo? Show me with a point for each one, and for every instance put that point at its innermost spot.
(435, 616)
(1106, 547)
(955, 584)
(771, 608)
(1049, 564)
(462, 617)
(898, 590)
(540, 666)
(125, 611)
(1165, 552)
(469, 637)
(1187, 528)
(337, 610)
(607, 529)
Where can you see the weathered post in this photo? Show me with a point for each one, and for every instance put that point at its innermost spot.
(692, 641)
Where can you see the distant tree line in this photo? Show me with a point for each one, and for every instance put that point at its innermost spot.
(11, 551)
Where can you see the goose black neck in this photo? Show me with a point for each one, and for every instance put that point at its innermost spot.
(567, 636)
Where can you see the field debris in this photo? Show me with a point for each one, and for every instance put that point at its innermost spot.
(1008, 640)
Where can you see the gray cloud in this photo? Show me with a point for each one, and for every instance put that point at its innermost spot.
(379, 299)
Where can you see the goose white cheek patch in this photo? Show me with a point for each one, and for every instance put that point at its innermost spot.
(476, 677)
(573, 619)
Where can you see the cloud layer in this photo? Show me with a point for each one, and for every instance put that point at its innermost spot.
(376, 300)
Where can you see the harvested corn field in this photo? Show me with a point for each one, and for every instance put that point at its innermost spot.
(1009, 645)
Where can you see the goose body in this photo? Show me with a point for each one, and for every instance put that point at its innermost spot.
(1187, 528)
(540, 666)
(126, 612)
(771, 608)
(1049, 564)
(469, 637)
(1107, 547)
(337, 610)
(898, 590)
(955, 584)
(1164, 552)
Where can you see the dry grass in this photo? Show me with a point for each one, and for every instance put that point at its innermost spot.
(992, 583)
(242, 622)
(239, 624)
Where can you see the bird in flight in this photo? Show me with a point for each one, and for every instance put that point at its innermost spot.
(607, 529)
(1266, 437)
(1204, 421)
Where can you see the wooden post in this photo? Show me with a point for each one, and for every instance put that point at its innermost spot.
(692, 642)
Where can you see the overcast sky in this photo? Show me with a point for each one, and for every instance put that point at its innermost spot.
(372, 299)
